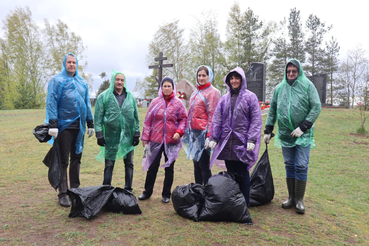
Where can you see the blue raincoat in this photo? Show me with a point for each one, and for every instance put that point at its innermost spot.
(68, 99)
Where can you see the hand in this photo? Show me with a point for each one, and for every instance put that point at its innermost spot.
(212, 144)
(250, 146)
(176, 136)
(53, 132)
(136, 141)
(144, 144)
(90, 132)
(267, 138)
(297, 132)
(207, 143)
(101, 142)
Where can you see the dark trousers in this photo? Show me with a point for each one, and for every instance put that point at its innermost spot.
(240, 168)
(201, 168)
(67, 146)
(128, 168)
(152, 172)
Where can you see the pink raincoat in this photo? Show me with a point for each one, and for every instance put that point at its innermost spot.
(162, 121)
(244, 123)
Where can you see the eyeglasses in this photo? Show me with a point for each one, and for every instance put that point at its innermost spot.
(291, 71)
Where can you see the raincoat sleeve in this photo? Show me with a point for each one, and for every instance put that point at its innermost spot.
(255, 120)
(182, 120)
(89, 116)
(216, 126)
(212, 106)
(52, 101)
(148, 123)
(137, 119)
(99, 113)
(315, 104)
(272, 113)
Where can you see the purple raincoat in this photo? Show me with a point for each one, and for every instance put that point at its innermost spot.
(244, 124)
(161, 123)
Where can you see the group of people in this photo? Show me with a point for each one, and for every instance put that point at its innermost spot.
(229, 126)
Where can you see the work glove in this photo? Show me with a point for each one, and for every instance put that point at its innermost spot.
(53, 132)
(250, 146)
(90, 132)
(136, 141)
(267, 138)
(101, 142)
(212, 144)
(207, 143)
(297, 132)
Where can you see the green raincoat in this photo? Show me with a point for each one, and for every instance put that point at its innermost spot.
(290, 106)
(119, 125)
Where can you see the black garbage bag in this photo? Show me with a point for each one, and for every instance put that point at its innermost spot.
(123, 201)
(55, 173)
(261, 182)
(224, 200)
(188, 200)
(88, 201)
(41, 132)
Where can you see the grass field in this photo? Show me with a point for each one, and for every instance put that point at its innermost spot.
(336, 201)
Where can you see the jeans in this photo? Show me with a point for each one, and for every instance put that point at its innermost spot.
(128, 167)
(153, 171)
(296, 160)
(201, 168)
(240, 168)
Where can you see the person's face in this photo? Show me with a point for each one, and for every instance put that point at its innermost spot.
(71, 65)
(119, 82)
(202, 77)
(235, 81)
(167, 88)
(292, 72)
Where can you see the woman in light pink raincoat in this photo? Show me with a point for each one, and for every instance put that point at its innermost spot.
(164, 125)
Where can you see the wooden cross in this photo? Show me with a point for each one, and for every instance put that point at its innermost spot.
(161, 58)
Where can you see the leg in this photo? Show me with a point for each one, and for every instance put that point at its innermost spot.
(75, 163)
(301, 167)
(151, 176)
(128, 168)
(204, 164)
(108, 171)
(65, 139)
(289, 161)
(168, 181)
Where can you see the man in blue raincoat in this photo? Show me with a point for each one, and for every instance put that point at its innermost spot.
(68, 110)
(117, 127)
(295, 106)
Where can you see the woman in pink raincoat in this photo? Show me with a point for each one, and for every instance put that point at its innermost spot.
(236, 129)
(164, 125)
(200, 113)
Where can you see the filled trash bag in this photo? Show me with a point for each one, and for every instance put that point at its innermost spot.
(88, 201)
(188, 200)
(55, 174)
(261, 182)
(123, 201)
(224, 200)
(41, 132)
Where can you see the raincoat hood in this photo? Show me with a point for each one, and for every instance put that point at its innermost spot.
(240, 71)
(211, 75)
(112, 80)
(64, 69)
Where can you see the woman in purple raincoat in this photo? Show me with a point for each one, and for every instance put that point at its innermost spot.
(164, 125)
(236, 128)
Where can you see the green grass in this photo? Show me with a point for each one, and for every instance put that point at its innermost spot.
(337, 197)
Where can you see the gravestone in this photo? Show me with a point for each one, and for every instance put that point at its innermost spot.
(185, 88)
(320, 82)
(255, 78)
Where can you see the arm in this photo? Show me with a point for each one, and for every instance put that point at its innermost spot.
(137, 119)
(216, 126)
(213, 102)
(272, 113)
(255, 120)
(52, 104)
(315, 108)
(182, 119)
(148, 123)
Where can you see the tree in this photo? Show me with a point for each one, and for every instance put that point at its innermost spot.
(316, 55)
(296, 36)
(104, 85)
(169, 40)
(206, 48)
(23, 53)
(331, 62)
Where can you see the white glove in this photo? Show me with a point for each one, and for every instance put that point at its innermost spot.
(207, 143)
(212, 144)
(53, 132)
(90, 132)
(250, 146)
(297, 132)
(267, 138)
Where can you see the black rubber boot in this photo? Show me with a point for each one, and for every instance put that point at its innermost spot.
(299, 197)
(290, 202)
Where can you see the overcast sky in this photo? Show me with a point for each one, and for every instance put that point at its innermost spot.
(118, 33)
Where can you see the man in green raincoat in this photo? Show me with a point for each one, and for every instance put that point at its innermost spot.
(295, 106)
(117, 127)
